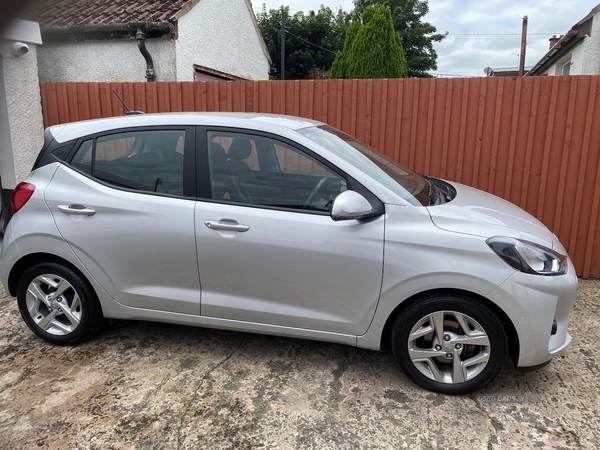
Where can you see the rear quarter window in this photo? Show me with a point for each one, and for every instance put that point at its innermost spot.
(62, 153)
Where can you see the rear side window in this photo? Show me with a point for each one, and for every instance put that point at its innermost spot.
(143, 160)
(83, 158)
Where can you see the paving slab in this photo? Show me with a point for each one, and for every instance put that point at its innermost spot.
(155, 386)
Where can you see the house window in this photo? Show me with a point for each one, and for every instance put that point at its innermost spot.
(565, 68)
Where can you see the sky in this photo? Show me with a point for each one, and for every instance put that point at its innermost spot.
(475, 28)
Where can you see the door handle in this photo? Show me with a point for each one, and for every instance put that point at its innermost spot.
(78, 210)
(227, 225)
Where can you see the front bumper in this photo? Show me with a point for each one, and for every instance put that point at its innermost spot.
(532, 303)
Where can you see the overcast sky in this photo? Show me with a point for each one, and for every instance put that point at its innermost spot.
(469, 55)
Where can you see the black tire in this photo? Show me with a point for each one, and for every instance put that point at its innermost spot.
(67, 319)
(3, 221)
(481, 323)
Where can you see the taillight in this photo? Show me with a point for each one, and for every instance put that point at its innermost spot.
(21, 195)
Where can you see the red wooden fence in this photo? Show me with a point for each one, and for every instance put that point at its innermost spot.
(532, 140)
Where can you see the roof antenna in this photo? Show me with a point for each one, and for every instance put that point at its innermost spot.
(129, 111)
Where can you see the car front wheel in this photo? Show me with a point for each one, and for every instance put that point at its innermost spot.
(449, 344)
(58, 304)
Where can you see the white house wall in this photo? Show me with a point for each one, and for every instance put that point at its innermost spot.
(592, 49)
(584, 57)
(111, 60)
(220, 34)
(21, 123)
(577, 59)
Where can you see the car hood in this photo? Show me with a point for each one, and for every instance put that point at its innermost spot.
(478, 213)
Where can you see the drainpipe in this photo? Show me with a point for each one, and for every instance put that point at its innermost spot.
(111, 31)
(141, 39)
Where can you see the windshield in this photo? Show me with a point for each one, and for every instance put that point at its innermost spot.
(389, 173)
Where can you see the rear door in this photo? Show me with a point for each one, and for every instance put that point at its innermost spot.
(124, 202)
(268, 249)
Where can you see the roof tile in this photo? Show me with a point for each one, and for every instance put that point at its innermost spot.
(53, 13)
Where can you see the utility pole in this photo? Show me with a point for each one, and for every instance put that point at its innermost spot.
(282, 43)
(523, 47)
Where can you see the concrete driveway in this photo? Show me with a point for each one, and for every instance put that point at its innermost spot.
(154, 386)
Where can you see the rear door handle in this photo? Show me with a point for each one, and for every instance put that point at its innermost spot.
(226, 224)
(78, 210)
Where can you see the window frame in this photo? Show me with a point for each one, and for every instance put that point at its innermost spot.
(204, 189)
(189, 158)
(564, 63)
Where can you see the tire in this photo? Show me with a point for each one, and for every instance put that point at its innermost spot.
(3, 221)
(67, 319)
(449, 344)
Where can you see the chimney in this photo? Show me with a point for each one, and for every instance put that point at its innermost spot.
(553, 40)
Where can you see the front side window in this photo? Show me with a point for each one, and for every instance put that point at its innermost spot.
(143, 160)
(259, 170)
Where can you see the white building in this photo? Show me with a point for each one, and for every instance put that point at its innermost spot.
(575, 53)
(103, 40)
(21, 122)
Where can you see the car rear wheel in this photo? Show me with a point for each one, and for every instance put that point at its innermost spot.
(449, 344)
(58, 304)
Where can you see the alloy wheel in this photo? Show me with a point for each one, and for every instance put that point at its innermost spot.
(449, 347)
(53, 304)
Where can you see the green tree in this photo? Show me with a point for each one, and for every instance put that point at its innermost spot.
(417, 36)
(372, 49)
(339, 68)
(311, 43)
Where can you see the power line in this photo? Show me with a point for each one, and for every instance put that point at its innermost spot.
(308, 42)
(500, 34)
(516, 52)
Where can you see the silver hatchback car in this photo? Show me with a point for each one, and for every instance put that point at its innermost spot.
(286, 226)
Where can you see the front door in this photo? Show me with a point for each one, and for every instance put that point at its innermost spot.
(268, 250)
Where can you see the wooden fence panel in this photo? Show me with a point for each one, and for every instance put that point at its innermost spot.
(534, 141)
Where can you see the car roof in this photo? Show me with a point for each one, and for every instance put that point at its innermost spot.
(256, 121)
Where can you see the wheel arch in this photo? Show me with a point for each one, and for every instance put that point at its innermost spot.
(27, 261)
(512, 335)
(80, 308)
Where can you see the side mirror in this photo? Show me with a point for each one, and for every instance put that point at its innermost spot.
(350, 205)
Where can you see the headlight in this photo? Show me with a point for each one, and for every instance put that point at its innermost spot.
(528, 257)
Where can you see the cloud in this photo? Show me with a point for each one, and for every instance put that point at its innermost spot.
(469, 55)
(303, 5)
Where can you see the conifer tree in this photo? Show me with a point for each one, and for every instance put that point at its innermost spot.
(417, 35)
(372, 49)
(339, 68)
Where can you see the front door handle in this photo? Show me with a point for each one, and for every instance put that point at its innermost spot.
(78, 210)
(226, 224)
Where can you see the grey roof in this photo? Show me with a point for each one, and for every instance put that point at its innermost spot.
(574, 36)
